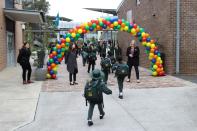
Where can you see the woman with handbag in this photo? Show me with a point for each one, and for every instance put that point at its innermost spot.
(71, 61)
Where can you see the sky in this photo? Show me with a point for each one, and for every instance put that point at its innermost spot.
(73, 9)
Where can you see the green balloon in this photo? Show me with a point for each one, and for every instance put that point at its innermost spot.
(94, 25)
(127, 23)
(67, 44)
(59, 55)
(54, 49)
(78, 35)
(101, 23)
(118, 27)
(87, 27)
(123, 21)
(76, 38)
(68, 35)
(63, 50)
(108, 19)
(51, 61)
(141, 30)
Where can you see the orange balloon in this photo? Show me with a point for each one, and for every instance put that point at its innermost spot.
(155, 56)
(111, 25)
(53, 65)
(123, 25)
(137, 30)
(63, 45)
(89, 23)
(152, 41)
(158, 70)
(58, 46)
(152, 50)
(98, 27)
(54, 53)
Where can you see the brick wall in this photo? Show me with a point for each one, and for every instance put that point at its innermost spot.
(163, 26)
(3, 56)
(188, 52)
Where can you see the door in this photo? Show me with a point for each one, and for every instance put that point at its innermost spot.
(10, 49)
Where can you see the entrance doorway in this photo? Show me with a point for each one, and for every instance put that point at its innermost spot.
(10, 49)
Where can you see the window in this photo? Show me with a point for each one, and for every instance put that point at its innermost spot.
(138, 2)
(129, 16)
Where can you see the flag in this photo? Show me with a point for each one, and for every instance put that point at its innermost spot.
(57, 19)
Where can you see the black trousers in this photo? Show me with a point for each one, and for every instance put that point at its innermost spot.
(26, 67)
(89, 66)
(136, 71)
(120, 83)
(72, 76)
(91, 109)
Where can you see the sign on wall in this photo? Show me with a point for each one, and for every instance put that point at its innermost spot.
(129, 16)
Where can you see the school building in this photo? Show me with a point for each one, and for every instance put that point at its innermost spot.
(173, 23)
(12, 19)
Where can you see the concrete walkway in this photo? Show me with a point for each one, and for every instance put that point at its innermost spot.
(161, 109)
(18, 102)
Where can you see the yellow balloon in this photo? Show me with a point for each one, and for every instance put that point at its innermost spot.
(126, 28)
(155, 66)
(85, 24)
(115, 23)
(68, 39)
(158, 58)
(143, 34)
(80, 31)
(121, 29)
(150, 58)
(144, 43)
(152, 45)
(100, 19)
(48, 76)
(148, 44)
(151, 54)
(154, 73)
(133, 31)
(73, 35)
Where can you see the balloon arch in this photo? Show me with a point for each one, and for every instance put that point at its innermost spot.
(57, 52)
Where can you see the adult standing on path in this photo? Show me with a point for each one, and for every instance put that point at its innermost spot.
(133, 53)
(71, 61)
(23, 60)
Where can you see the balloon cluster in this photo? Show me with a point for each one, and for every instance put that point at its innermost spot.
(108, 23)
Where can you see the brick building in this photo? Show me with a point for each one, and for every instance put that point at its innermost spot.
(158, 17)
(11, 34)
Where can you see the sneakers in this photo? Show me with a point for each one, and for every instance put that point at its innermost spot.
(128, 80)
(90, 123)
(71, 83)
(138, 81)
(24, 82)
(102, 115)
(29, 81)
(75, 83)
(121, 95)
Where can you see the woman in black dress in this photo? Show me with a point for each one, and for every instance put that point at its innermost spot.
(71, 61)
(23, 60)
(133, 53)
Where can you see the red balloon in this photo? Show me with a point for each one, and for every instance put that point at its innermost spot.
(134, 25)
(53, 76)
(63, 40)
(93, 21)
(71, 31)
(97, 22)
(60, 59)
(51, 56)
(156, 48)
(144, 39)
(84, 31)
(77, 27)
(119, 22)
(49, 68)
(160, 65)
(104, 21)
(108, 23)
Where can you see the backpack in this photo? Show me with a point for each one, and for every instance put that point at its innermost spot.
(92, 56)
(122, 70)
(113, 60)
(92, 92)
(105, 63)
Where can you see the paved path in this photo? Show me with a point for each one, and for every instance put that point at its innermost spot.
(161, 109)
(150, 107)
(18, 102)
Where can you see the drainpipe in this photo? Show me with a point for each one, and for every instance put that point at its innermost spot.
(177, 36)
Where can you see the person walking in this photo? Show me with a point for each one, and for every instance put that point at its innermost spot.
(105, 66)
(23, 60)
(71, 61)
(133, 53)
(91, 58)
(93, 93)
(122, 71)
(84, 54)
